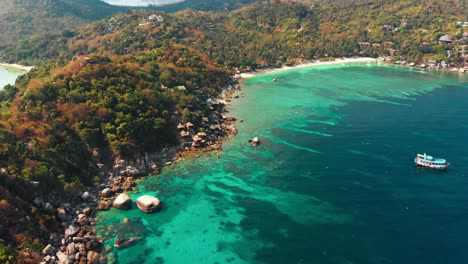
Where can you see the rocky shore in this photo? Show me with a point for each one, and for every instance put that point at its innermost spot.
(79, 242)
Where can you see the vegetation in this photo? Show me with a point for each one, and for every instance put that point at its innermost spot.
(272, 33)
(35, 18)
(109, 89)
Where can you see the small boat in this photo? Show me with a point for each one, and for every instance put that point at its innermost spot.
(427, 161)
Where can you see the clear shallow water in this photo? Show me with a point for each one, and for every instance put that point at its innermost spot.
(333, 180)
(8, 75)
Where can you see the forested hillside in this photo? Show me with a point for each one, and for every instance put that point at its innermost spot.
(25, 18)
(271, 33)
(110, 86)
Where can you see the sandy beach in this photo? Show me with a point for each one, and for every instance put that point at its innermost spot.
(308, 64)
(16, 66)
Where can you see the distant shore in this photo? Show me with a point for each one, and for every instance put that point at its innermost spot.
(307, 64)
(16, 66)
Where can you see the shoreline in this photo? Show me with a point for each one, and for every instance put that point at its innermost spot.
(16, 66)
(307, 64)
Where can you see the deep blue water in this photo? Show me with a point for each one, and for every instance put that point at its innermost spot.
(333, 180)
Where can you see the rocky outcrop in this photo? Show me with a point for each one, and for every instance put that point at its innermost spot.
(123, 202)
(79, 243)
(148, 203)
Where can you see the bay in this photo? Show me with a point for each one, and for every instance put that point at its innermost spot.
(8, 75)
(333, 180)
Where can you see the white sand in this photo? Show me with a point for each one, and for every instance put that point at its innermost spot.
(17, 66)
(308, 64)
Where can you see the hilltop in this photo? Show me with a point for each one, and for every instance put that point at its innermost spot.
(22, 18)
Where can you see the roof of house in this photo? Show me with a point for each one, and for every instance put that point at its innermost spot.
(446, 38)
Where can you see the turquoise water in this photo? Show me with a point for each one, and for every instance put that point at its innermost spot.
(8, 75)
(332, 181)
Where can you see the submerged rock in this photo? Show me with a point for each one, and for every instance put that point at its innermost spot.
(148, 203)
(124, 242)
(123, 202)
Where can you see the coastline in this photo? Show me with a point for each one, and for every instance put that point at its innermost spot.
(122, 176)
(246, 75)
(16, 66)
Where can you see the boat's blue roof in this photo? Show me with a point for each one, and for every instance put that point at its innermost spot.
(440, 160)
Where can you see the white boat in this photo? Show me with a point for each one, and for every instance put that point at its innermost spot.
(427, 161)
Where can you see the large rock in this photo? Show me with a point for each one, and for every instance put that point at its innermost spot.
(71, 231)
(48, 250)
(107, 192)
(123, 202)
(94, 245)
(86, 196)
(148, 203)
(93, 257)
(71, 249)
(62, 214)
(62, 258)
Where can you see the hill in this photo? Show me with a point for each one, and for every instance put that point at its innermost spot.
(23, 18)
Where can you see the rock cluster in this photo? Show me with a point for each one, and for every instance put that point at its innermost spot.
(78, 243)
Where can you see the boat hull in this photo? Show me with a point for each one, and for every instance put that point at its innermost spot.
(437, 167)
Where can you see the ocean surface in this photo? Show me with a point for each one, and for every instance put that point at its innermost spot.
(8, 75)
(333, 180)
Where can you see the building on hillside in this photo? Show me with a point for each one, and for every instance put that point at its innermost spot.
(153, 19)
(462, 23)
(446, 39)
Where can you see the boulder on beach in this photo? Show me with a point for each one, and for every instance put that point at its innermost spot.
(148, 203)
(123, 202)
